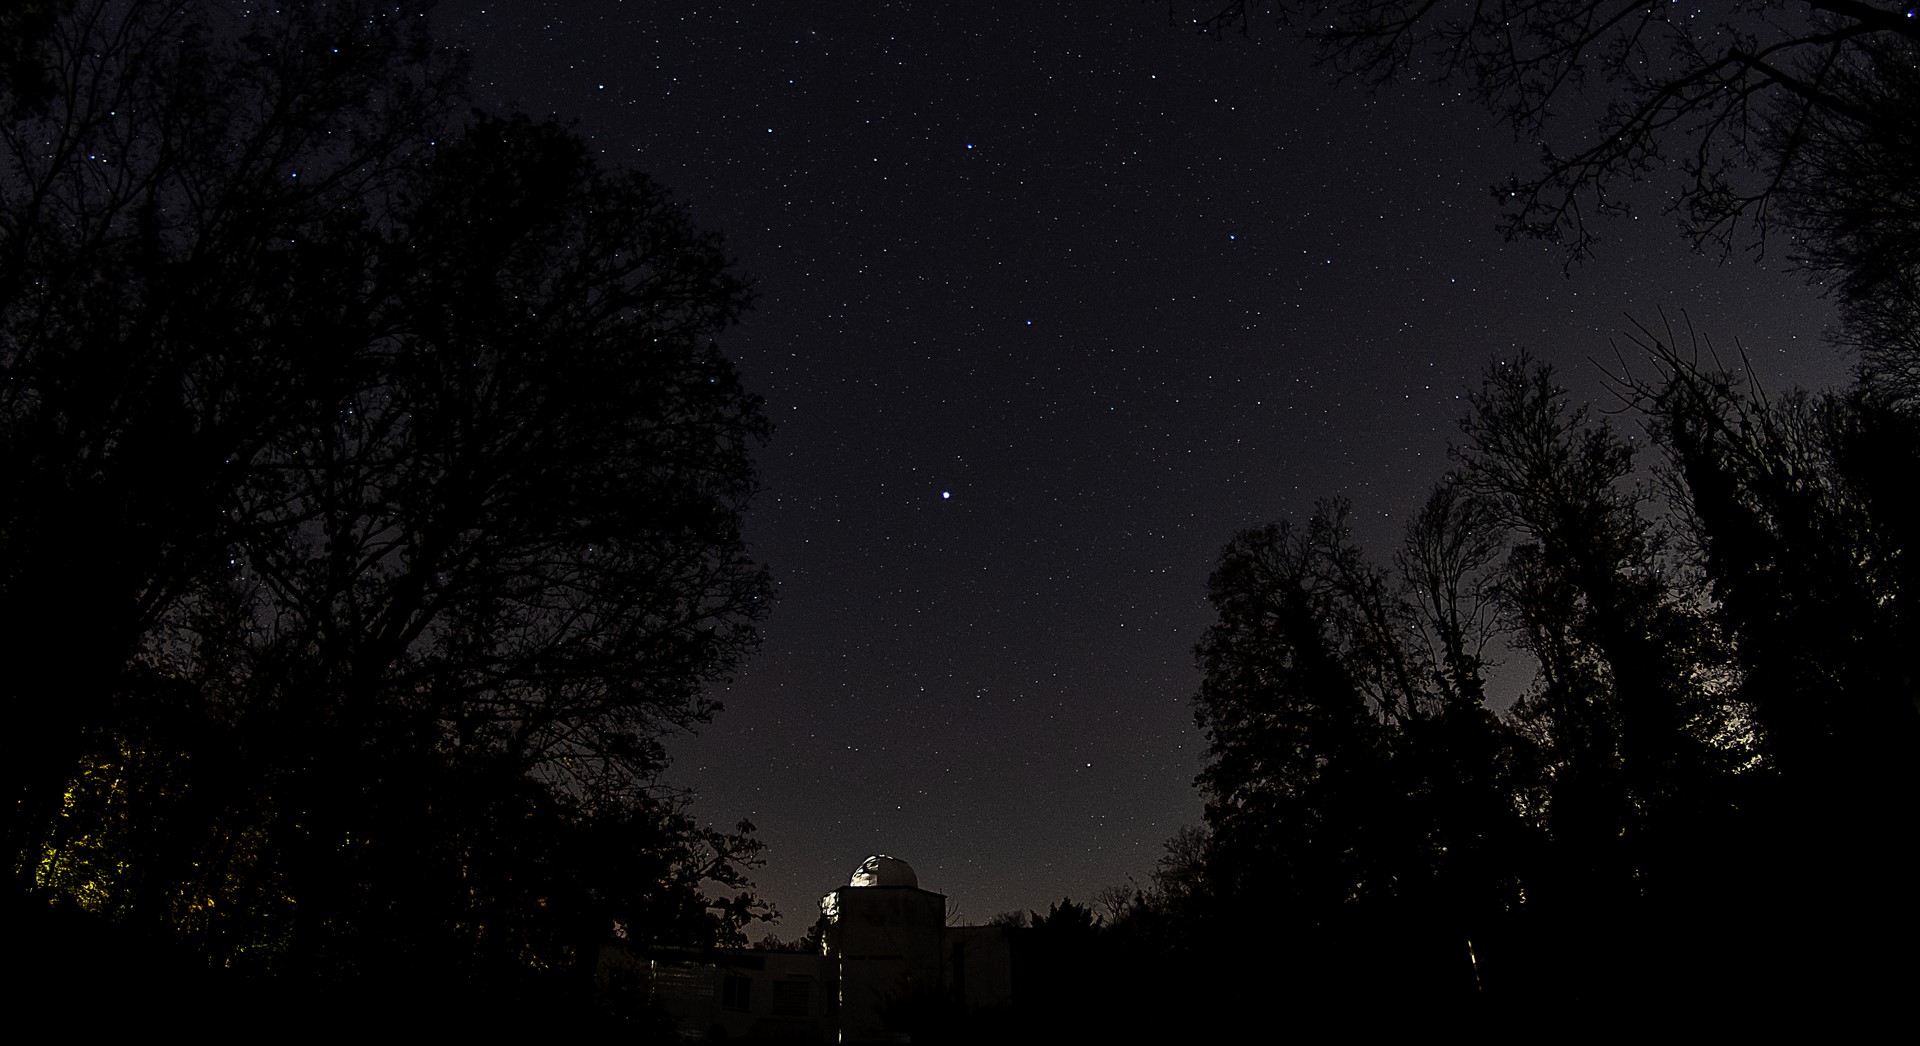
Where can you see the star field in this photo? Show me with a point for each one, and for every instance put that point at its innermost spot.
(1051, 300)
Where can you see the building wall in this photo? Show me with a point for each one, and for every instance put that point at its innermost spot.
(979, 968)
(890, 964)
(741, 994)
(886, 942)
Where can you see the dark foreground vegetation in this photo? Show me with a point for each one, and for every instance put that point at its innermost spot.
(370, 489)
(1688, 784)
(1694, 805)
(1694, 800)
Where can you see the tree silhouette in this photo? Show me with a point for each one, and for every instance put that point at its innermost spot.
(1797, 505)
(1360, 797)
(1364, 801)
(1722, 714)
(1292, 736)
(171, 295)
(1747, 103)
(381, 473)
(1634, 709)
(1792, 501)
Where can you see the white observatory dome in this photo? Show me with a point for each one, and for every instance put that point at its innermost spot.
(881, 870)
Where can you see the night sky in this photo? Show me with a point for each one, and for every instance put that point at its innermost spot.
(1052, 299)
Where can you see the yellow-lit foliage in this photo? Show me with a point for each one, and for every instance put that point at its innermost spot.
(84, 861)
(128, 836)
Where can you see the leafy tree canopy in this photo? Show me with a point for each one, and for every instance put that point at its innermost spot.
(378, 472)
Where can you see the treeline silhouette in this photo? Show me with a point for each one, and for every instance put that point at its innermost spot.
(1600, 742)
(370, 493)
(1628, 726)
(1624, 722)
(1706, 757)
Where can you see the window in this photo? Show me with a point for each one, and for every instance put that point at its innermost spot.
(790, 998)
(736, 993)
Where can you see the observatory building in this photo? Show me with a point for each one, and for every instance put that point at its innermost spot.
(892, 952)
(888, 962)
